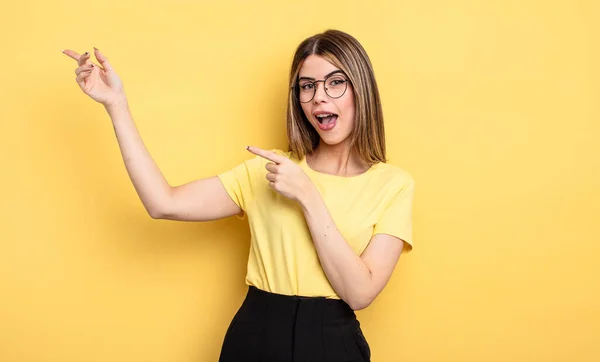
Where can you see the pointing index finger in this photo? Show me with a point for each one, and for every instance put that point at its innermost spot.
(269, 155)
(76, 56)
(71, 54)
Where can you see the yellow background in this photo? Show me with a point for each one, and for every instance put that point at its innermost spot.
(493, 106)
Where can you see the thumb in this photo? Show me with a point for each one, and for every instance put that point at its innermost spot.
(102, 60)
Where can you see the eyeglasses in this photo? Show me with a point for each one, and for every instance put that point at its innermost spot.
(335, 86)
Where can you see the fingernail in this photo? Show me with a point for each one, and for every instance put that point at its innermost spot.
(86, 53)
(247, 147)
(95, 48)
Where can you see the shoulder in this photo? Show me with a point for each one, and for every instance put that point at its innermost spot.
(395, 177)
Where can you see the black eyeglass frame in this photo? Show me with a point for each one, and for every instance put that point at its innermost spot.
(296, 87)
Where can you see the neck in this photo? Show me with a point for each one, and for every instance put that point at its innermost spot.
(336, 160)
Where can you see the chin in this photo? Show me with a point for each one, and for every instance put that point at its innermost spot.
(333, 140)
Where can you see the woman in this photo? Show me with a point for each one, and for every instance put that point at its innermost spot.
(328, 218)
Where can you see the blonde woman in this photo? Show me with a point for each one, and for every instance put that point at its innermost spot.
(329, 217)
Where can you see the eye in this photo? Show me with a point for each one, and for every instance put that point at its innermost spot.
(336, 81)
(306, 86)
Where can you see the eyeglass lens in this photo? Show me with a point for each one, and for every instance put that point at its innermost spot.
(335, 87)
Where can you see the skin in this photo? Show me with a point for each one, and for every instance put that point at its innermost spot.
(334, 148)
(356, 279)
(102, 84)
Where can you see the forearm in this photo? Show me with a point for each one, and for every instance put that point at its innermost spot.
(347, 272)
(150, 184)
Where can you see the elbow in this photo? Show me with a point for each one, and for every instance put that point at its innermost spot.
(156, 214)
(157, 211)
(359, 302)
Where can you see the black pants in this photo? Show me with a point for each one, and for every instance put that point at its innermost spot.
(277, 328)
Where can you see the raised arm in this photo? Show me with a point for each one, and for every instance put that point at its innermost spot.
(200, 200)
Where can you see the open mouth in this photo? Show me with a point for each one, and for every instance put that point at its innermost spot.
(326, 118)
(327, 121)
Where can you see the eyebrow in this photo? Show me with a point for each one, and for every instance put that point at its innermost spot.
(327, 76)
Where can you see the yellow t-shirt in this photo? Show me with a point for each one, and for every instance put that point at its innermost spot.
(282, 256)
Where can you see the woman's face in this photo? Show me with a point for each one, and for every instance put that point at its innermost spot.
(332, 118)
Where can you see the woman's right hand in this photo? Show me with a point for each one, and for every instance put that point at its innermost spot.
(101, 83)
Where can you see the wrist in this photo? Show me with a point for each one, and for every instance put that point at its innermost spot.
(116, 105)
(119, 99)
(309, 198)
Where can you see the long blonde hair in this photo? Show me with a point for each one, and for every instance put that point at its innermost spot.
(346, 53)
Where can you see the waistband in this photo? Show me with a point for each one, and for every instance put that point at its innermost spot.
(321, 307)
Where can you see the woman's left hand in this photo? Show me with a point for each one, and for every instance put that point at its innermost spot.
(285, 177)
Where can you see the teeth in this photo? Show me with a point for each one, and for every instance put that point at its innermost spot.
(324, 115)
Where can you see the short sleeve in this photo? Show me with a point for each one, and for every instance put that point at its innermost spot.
(396, 219)
(240, 182)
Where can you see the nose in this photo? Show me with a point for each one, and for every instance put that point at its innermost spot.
(320, 95)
